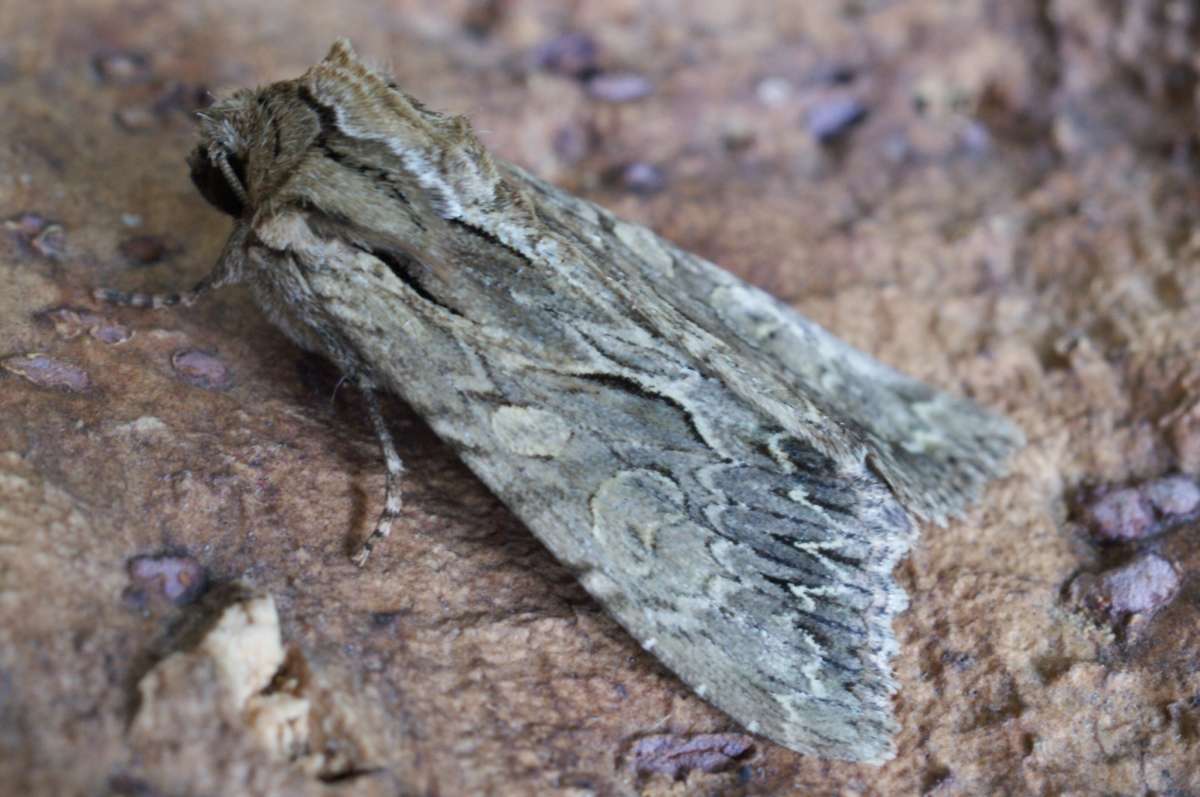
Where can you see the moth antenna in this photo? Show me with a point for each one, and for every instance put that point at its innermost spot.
(221, 158)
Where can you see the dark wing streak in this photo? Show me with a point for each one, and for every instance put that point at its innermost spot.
(955, 446)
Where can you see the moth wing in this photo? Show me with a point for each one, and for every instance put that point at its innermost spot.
(704, 481)
(759, 572)
(936, 450)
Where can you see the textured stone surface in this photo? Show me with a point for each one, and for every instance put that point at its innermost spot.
(1013, 218)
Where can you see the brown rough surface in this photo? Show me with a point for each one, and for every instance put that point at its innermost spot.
(1014, 218)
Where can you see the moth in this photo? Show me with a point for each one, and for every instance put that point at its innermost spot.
(734, 484)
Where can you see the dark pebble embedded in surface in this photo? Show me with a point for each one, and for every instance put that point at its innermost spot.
(38, 234)
(676, 756)
(832, 118)
(110, 333)
(642, 178)
(178, 579)
(1133, 513)
(1123, 514)
(68, 322)
(483, 17)
(71, 322)
(571, 55)
(27, 224)
(201, 369)
(46, 371)
(572, 143)
(145, 250)
(835, 74)
(1173, 496)
(1142, 586)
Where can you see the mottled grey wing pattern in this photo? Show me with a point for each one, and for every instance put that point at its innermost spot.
(935, 450)
(705, 460)
(758, 571)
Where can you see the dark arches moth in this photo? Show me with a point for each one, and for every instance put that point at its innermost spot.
(734, 484)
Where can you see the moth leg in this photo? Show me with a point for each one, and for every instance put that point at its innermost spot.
(395, 468)
(157, 300)
(227, 271)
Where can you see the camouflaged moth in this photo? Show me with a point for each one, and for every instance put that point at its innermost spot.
(733, 483)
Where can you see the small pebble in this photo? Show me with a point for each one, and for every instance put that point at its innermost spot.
(571, 143)
(46, 371)
(110, 333)
(178, 579)
(774, 92)
(571, 55)
(676, 756)
(1144, 585)
(642, 178)
(201, 369)
(1121, 515)
(1173, 496)
(619, 87)
(26, 224)
(69, 322)
(831, 118)
(38, 234)
(1133, 513)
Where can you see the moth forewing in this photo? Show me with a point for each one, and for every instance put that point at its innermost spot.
(734, 484)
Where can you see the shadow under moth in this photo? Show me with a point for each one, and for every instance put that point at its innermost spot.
(734, 484)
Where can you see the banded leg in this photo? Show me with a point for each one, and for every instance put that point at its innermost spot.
(158, 300)
(227, 271)
(395, 469)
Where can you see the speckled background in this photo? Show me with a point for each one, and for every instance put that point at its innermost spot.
(998, 197)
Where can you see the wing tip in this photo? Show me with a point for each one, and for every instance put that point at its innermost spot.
(974, 447)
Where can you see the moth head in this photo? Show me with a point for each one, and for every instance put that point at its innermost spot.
(219, 162)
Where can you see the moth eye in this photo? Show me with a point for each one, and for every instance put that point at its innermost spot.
(214, 185)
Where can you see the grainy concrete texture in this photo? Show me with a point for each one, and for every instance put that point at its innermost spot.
(998, 197)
